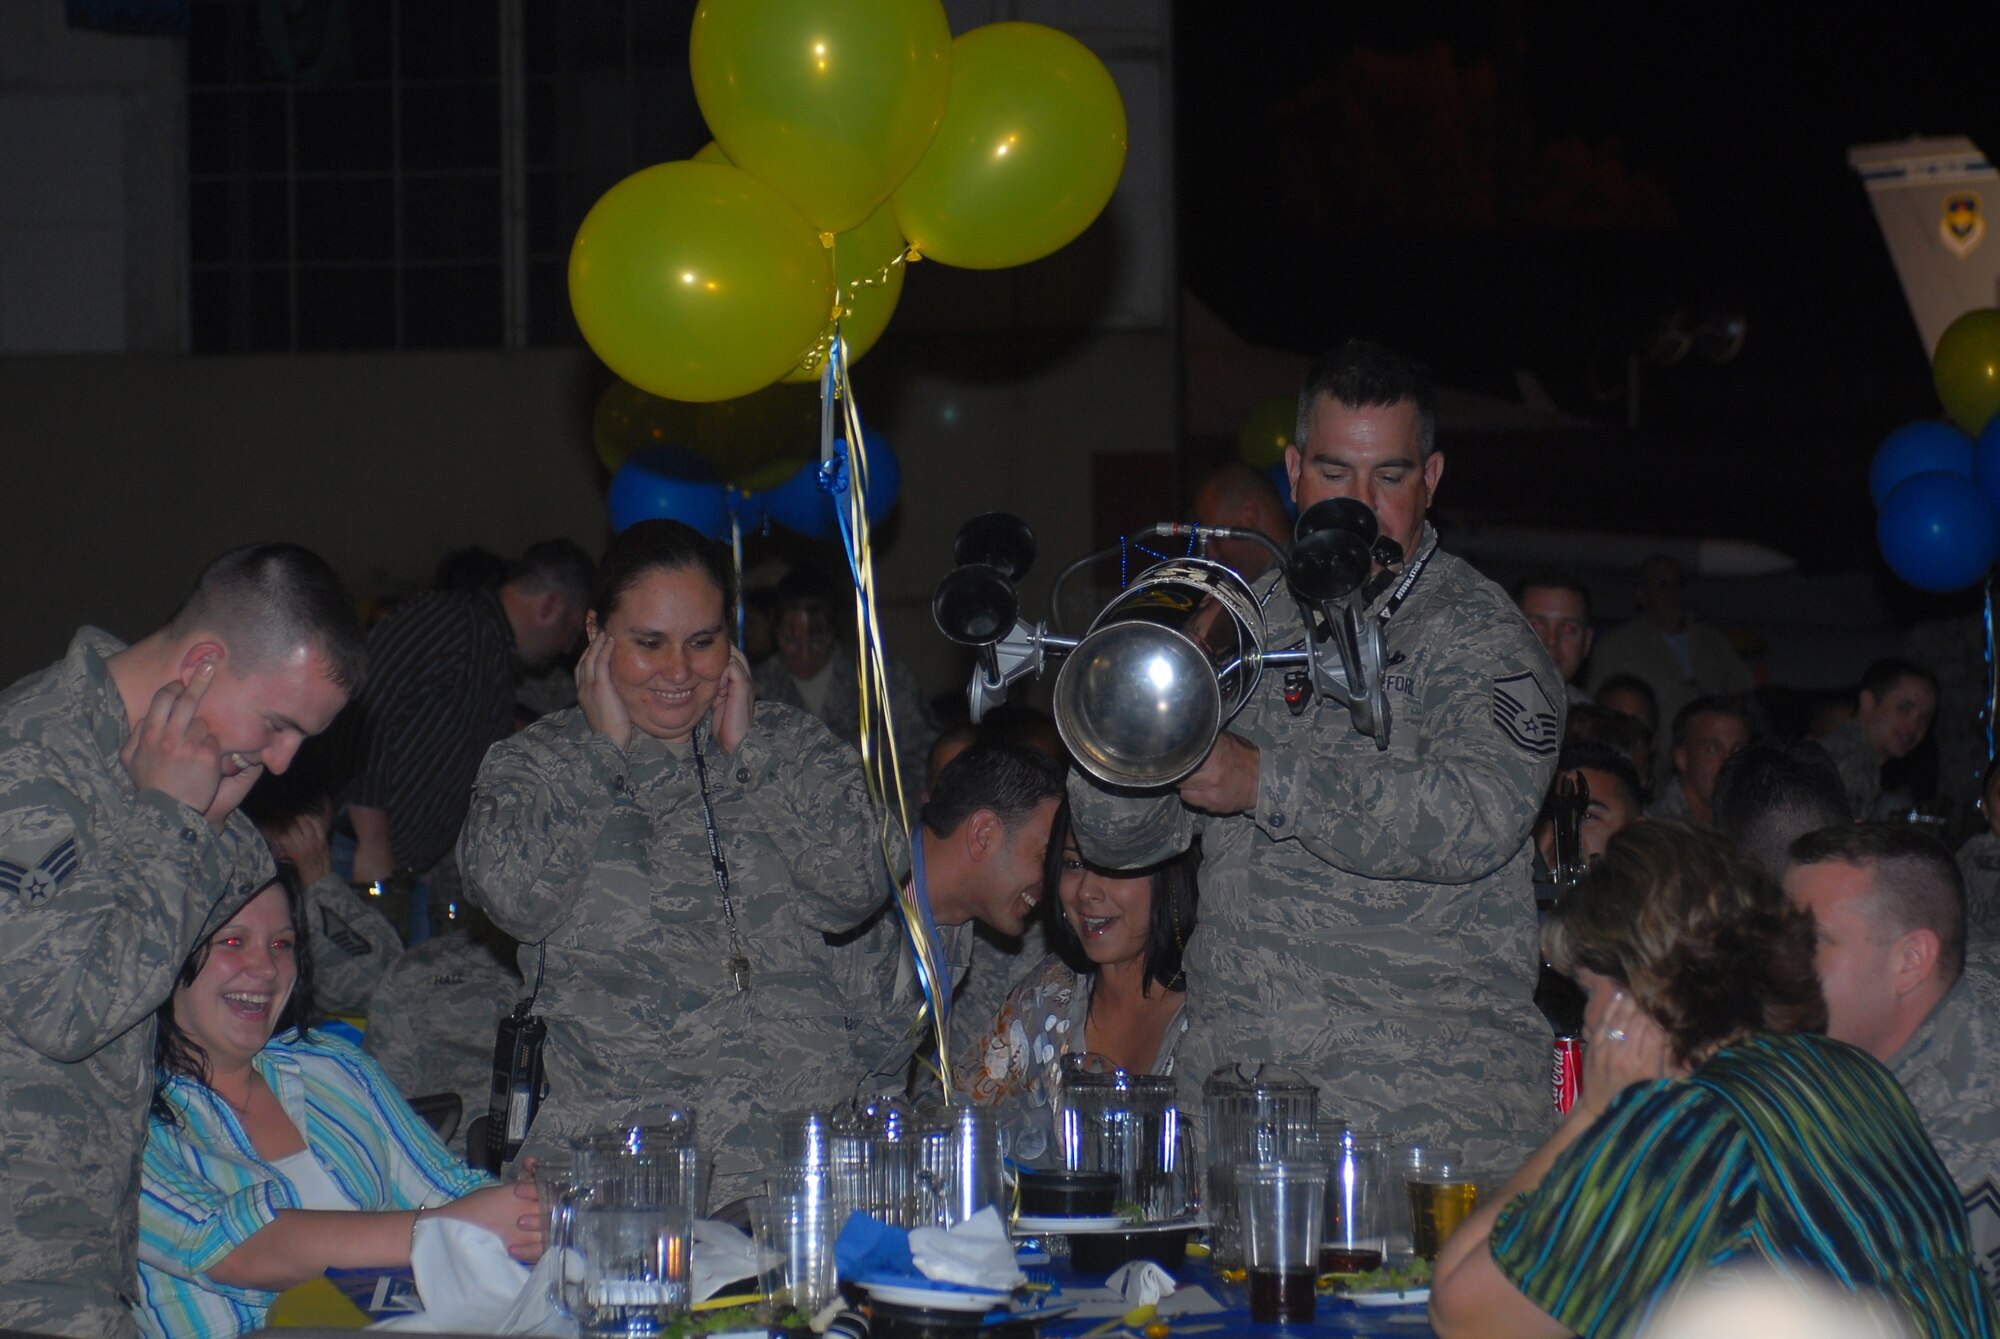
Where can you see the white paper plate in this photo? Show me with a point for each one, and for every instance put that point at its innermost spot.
(934, 1299)
(1109, 1222)
(1411, 1297)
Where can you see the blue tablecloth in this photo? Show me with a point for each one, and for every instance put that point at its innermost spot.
(1334, 1317)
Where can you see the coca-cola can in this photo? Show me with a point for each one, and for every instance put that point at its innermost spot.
(1566, 1072)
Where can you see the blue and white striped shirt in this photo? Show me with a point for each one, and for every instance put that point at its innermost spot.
(205, 1190)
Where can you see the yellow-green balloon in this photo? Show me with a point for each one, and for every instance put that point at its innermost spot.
(1966, 369)
(1267, 430)
(756, 441)
(1030, 149)
(864, 254)
(698, 282)
(830, 101)
(711, 152)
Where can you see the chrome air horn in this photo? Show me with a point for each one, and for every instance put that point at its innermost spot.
(1171, 659)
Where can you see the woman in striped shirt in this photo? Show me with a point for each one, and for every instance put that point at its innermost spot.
(271, 1160)
(1716, 1129)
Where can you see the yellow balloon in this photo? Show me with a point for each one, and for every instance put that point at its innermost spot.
(870, 281)
(1267, 430)
(1966, 369)
(832, 101)
(698, 282)
(1030, 149)
(756, 441)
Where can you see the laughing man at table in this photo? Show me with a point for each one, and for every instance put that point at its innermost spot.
(1367, 916)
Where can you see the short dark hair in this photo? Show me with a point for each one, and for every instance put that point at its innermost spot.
(558, 565)
(176, 1053)
(1700, 934)
(1917, 884)
(1012, 780)
(1554, 579)
(1734, 705)
(267, 600)
(1613, 762)
(1632, 683)
(1362, 374)
(1176, 906)
(1603, 727)
(660, 546)
(1772, 792)
(1889, 671)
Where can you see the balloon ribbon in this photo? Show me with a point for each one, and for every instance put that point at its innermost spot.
(844, 475)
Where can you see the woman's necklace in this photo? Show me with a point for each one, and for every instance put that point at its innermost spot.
(739, 962)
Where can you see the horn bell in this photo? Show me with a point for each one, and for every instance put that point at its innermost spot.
(997, 539)
(975, 605)
(1138, 705)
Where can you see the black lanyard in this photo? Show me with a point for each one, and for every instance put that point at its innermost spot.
(1405, 586)
(739, 962)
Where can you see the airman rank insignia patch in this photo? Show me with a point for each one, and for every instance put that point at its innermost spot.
(344, 936)
(1522, 710)
(35, 884)
(1962, 227)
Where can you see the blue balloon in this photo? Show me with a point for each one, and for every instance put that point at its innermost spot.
(669, 483)
(1938, 531)
(1986, 462)
(1918, 448)
(1283, 483)
(801, 504)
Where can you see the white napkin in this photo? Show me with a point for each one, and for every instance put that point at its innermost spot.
(469, 1284)
(721, 1255)
(1140, 1282)
(976, 1253)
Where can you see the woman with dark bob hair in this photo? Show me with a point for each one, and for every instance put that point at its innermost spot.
(680, 858)
(1112, 985)
(1715, 1127)
(275, 1153)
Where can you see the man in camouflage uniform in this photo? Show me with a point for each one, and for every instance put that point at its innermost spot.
(603, 851)
(1892, 715)
(814, 669)
(1366, 916)
(1890, 910)
(433, 1020)
(120, 772)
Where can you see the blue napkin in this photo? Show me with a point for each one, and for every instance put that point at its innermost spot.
(869, 1250)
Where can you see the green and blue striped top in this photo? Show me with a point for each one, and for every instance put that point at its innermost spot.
(1795, 1152)
(204, 1190)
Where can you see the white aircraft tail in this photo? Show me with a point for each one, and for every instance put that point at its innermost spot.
(1932, 198)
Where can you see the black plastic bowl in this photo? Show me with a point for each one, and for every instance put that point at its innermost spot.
(1102, 1252)
(1068, 1194)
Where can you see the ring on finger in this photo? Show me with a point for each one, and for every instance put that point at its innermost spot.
(1614, 1034)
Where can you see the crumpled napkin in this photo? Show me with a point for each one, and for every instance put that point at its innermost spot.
(870, 1250)
(1140, 1282)
(470, 1285)
(974, 1254)
(721, 1255)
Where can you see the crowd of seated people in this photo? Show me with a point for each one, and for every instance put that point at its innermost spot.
(1780, 1005)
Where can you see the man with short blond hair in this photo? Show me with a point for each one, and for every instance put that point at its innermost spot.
(1890, 910)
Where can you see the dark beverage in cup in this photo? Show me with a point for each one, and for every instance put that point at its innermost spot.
(1282, 1296)
(1348, 1260)
(1436, 1210)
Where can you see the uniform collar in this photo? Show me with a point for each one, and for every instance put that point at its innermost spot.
(1940, 1022)
(87, 676)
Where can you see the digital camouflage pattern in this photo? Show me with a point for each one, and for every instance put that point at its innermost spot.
(915, 730)
(605, 854)
(1860, 770)
(1371, 923)
(1950, 1067)
(353, 945)
(104, 890)
(1979, 863)
(433, 1020)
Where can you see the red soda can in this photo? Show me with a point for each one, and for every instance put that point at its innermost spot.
(1566, 1072)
